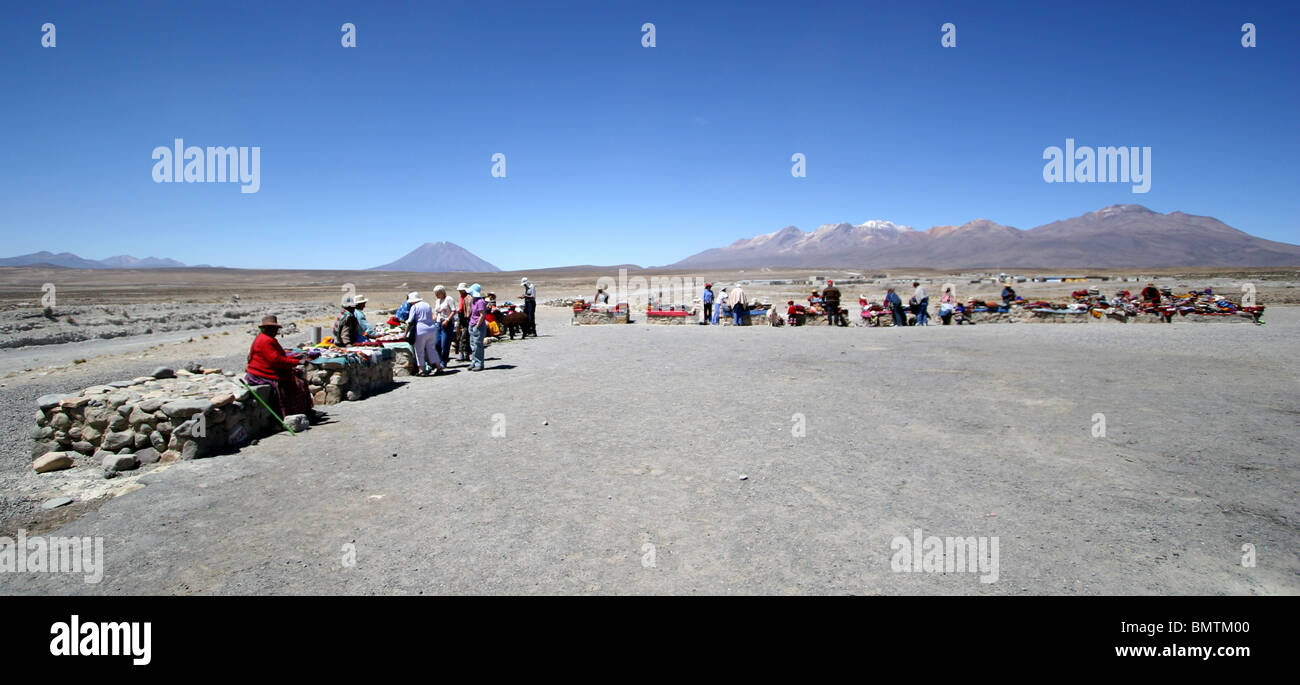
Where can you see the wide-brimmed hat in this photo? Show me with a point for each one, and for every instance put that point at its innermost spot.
(413, 297)
(360, 300)
(269, 321)
(523, 280)
(476, 290)
(462, 286)
(349, 301)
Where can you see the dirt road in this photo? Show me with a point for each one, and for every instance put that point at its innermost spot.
(620, 470)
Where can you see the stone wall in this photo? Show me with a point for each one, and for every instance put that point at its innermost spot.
(587, 317)
(148, 419)
(334, 384)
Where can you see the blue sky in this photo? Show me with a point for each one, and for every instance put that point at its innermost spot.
(616, 152)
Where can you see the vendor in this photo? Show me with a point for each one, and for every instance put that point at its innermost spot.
(1151, 294)
(269, 365)
(367, 331)
(1008, 295)
(602, 297)
(347, 330)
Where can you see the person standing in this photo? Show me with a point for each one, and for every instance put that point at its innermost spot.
(1008, 295)
(444, 314)
(831, 301)
(946, 304)
(922, 304)
(530, 306)
(707, 298)
(463, 304)
(895, 304)
(477, 325)
(717, 308)
(736, 298)
(426, 337)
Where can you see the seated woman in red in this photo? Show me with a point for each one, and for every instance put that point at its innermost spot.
(269, 365)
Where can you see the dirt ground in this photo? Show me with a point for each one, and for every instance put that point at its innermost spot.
(667, 459)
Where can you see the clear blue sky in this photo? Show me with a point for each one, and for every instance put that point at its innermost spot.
(616, 152)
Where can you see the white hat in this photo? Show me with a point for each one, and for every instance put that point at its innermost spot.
(360, 300)
(413, 297)
(463, 286)
(523, 280)
(349, 300)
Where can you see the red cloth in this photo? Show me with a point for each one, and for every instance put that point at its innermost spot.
(267, 359)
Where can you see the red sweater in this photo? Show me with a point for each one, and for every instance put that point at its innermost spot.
(267, 359)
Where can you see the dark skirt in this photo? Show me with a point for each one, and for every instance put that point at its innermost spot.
(290, 394)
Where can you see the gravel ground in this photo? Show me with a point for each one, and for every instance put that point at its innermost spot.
(621, 470)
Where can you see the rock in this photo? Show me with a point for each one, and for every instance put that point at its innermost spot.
(211, 372)
(52, 461)
(49, 401)
(83, 447)
(110, 474)
(332, 394)
(126, 409)
(118, 423)
(141, 380)
(164, 427)
(91, 434)
(57, 502)
(170, 456)
(747, 477)
(75, 433)
(42, 433)
(185, 408)
(120, 462)
(158, 440)
(164, 372)
(117, 440)
(98, 418)
(74, 402)
(222, 400)
(141, 440)
(194, 367)
(151, 405)
(352, 396)
(190, 450)
(148, 455)
(120, 384)
(43, 446)
(297, 422)
(138, 416)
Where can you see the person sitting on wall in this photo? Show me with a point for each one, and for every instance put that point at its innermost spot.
(269, 365)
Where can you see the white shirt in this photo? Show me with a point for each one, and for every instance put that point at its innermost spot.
(444, 309)
(529, 290)
(920, 293)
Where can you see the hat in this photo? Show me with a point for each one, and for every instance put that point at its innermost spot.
(523, 280)
(476, 290)
(360, 300)
(413, 297)
(269, 320)
(349, 301)
(830, 282)
(462, 286)
(708, 285)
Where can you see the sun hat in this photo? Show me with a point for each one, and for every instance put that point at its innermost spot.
(462, 286)
(349, 301)
(360, 300)
(523, 280)
(413, 297)
(268, 321)
(476, 290)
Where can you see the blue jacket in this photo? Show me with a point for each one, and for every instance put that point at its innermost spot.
(707, 298)
(893, 299)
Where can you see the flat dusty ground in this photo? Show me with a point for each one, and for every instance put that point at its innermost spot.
(621, 468)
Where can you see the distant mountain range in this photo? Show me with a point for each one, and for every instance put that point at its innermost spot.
(1119, 236)
(70, 261)
(438, 257)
